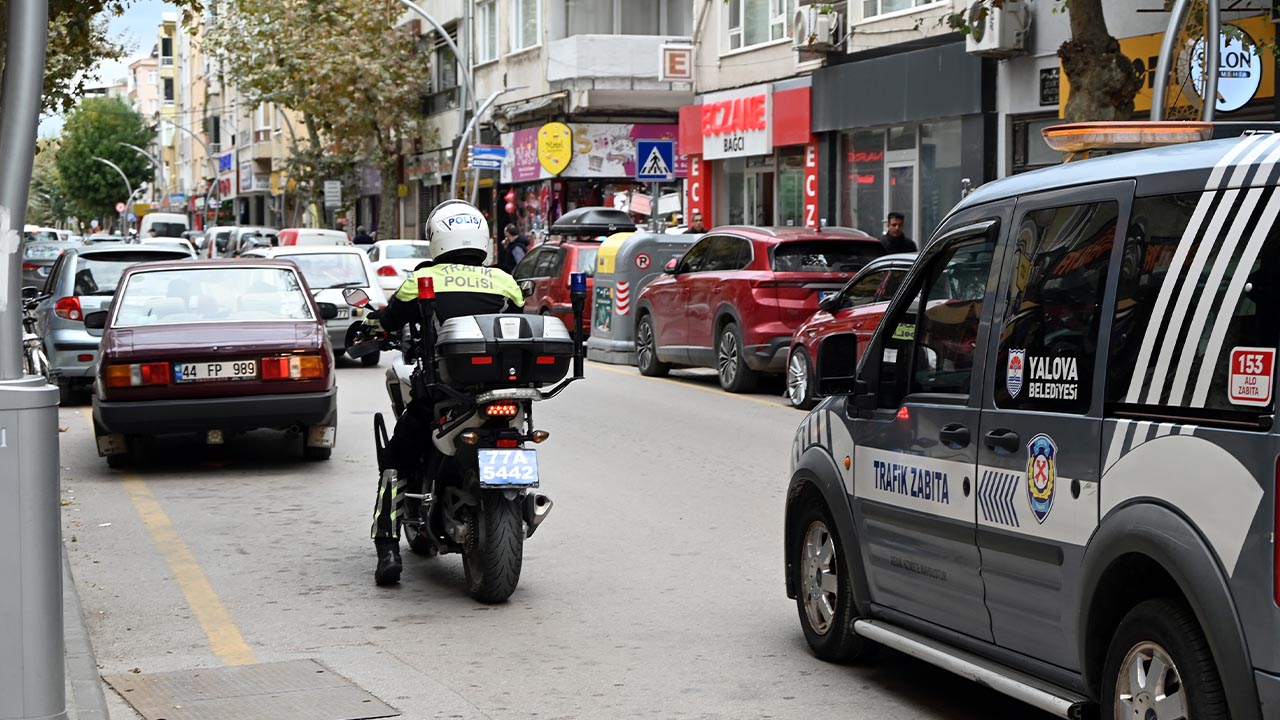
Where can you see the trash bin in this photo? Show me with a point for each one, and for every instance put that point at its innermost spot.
(625, 264)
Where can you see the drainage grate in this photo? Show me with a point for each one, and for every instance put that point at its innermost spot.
(294, 689)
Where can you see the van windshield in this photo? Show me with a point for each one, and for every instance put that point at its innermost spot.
(167, 229)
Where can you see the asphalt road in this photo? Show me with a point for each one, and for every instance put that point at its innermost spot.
(654, 588)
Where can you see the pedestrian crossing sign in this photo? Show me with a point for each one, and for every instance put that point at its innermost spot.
(655, 160)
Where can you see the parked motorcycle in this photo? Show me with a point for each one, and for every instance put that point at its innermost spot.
(477, 494)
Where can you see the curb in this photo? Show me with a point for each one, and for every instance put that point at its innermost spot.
(85, 698)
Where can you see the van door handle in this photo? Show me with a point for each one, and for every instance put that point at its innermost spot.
(1004, 440)
(954, 436)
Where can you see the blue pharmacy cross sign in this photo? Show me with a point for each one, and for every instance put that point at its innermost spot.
(655, 160)
(487, 157)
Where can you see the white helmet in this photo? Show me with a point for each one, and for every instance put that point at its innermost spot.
(458, 233)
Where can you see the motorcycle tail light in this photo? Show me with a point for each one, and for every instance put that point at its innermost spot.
(68, 308)
(482, 360)
(388, 271)
(501, 409)
(508, 443)
(546, 360)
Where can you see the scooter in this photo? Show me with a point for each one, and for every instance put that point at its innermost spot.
(477, 493)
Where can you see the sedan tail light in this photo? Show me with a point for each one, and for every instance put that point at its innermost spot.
(137, 374)
(388, 271)
(30, 266)
(68, 308)
(292, 367)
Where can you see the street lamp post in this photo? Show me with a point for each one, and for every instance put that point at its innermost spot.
(208, 155)
(32, 683)
(124, 177)
(152, 159)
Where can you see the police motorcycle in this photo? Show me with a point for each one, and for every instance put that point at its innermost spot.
(484, 373)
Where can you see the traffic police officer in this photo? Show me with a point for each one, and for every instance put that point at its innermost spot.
(459, 238)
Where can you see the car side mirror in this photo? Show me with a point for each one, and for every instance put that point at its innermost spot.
(95, 320)
(831, 304)
(670, 267)
(838, 365)
(30, 292)
(355, 297)
(328, 311)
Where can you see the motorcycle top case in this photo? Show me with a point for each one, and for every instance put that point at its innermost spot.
(503, 350)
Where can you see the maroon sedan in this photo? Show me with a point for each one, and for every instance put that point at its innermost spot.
(735, 298)
(213, 347)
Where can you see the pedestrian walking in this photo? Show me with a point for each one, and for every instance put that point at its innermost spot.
(895, 238)
(513, 248)
(695, 224)
(362, 237)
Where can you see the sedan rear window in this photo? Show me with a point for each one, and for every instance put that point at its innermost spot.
(331, 270)
(824, 256)
(170, 297)
(45, 251)
(100, 274)
(408, 252)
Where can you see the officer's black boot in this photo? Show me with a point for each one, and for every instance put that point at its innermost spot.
(388, 572)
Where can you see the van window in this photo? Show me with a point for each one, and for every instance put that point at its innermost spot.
(1050, 328)
(1197, 308)
(934, 351)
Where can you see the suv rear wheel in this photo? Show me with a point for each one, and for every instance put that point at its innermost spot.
(647, 349)
(824, 592)
(1159, 667)
(731, 361)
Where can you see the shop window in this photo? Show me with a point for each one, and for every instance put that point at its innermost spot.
(872, 8)
(1050, 335)
(486, 32)
(526, 30)
(862, 205)
(627, 17)
(1196, 315)
(941, 177)
(1030, 151)
(791, 187)
(755, 22)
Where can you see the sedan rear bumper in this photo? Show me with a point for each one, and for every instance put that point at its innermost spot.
(160, 417)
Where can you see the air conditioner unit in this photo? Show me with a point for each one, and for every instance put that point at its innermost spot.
(815, 30)
(996, 31)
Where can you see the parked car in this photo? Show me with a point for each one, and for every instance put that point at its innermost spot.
(38, 257)
(246, 238)
(857, 308)
(311, 236)
(166, 225)
(35, 233)
(329, 271)
(103, 238)
(172, 242)
(394, 261)
(213, 347)
(733, 301)
(216, 241)
(83, 280)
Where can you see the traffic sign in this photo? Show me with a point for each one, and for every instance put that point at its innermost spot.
(655, 159)
(120, 207)
(488, 157)
(332, 193)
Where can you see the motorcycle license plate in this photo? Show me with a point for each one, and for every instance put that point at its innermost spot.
(508, 468)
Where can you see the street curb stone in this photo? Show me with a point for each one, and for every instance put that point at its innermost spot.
(85, 698)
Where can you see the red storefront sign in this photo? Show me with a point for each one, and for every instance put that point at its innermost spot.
(698, 189)
(811, 185)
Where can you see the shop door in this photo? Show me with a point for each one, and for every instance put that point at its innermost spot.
(901, 194)
(758, 206)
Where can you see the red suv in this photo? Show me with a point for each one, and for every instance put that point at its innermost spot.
(734, 299)
(543, 275)
(857, 309)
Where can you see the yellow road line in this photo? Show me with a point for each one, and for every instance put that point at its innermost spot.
(696, 386)
(215, 620)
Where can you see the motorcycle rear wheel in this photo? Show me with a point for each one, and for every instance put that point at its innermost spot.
(493, 567)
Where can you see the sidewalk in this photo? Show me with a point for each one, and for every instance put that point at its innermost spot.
(85, 698)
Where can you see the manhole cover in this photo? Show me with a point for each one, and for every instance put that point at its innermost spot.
(294, 689)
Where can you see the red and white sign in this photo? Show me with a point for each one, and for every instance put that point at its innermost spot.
(641, 204)
(622, 298)
(120, 207)
(737, 123)
(642, 261)
(675, 63)
(811, 185)
(1251, 372)
(698, 190)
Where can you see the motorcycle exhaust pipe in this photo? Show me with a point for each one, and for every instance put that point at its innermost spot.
(536, 508)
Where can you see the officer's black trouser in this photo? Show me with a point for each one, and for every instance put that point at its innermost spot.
(410, 442)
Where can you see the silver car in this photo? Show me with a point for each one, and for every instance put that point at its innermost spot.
(82, 281)
(38, 257)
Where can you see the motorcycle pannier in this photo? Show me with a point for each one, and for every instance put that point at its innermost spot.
(503, 350)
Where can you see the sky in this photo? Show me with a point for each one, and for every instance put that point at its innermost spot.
(136, 31)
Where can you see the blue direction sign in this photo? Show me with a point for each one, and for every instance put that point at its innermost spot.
(655, 160)
(488, 157)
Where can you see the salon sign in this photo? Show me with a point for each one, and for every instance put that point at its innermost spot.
(737, 123)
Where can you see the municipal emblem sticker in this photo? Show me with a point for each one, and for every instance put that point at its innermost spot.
(1042, 475)
(1013, 373)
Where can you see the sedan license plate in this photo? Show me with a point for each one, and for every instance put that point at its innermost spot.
(215, 371)
(343, 313)
(508, 468)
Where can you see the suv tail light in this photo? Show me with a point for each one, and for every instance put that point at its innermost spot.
(137, 374)
(68, 308)
(388, 271)
(292, 367)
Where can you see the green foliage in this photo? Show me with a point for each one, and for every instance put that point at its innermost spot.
(47, 201)
(96, 128)
(77, 41)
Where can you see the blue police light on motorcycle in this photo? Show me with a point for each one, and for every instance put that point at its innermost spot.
(577, 282)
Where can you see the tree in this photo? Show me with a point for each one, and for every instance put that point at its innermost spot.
(47, 202)
(355, 77)
(1103, 81)
(77, 41)
(97, 128)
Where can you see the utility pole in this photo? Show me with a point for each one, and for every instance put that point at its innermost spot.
(32, 676)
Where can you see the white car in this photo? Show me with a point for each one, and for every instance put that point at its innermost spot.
(395, 260)
(181, 243)
(329, 271)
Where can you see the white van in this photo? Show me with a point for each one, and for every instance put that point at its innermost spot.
(166, 225)
(311, 237)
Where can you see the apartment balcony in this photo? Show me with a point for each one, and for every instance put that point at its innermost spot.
(166, 61)
(615, 72)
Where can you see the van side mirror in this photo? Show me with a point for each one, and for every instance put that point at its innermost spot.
(837, 365)
(670, 267)
(95, 320)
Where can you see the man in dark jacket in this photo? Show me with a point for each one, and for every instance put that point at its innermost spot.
(362, 237)
(895, 239)
(513, 249)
